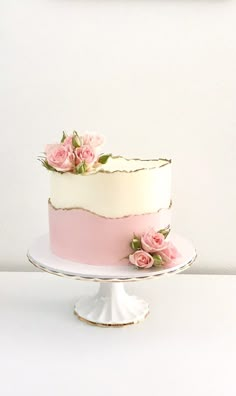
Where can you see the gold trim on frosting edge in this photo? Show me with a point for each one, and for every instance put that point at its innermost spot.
(106, 217)
(168, 162)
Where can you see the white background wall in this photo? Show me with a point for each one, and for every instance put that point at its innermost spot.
(156, 77)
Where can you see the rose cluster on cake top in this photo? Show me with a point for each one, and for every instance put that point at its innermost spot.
(75, 153)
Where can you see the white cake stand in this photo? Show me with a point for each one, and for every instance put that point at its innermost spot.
(111, 305)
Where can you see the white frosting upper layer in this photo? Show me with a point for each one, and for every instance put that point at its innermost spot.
(121, 188)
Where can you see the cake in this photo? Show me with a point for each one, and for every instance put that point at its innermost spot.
(108, 210)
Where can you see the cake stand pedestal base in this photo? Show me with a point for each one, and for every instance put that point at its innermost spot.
(111, 306)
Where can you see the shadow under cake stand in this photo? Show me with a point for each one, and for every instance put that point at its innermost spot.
(111, 305)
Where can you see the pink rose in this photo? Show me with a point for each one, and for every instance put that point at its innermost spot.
(153, 241)
(85, 154)
(141, 259)
(169, 253)
(60, 158)
(50, 147)
(68, 142)
(93, 139)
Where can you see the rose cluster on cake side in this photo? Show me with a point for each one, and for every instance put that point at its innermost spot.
(152, 249)
(75, 153)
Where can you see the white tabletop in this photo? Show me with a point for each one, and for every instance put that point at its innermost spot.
(187, 346)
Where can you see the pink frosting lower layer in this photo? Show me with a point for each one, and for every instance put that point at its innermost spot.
(81, 236)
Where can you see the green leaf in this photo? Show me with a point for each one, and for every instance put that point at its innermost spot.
(135, 244)
(157, 260)
(81, 168)
(64, 136)
(103, 158)
(165, 231)
(46, 165)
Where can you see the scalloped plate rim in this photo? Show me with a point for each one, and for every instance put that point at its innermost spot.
(40, 255)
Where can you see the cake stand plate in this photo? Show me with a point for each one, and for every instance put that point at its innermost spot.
(111, 305)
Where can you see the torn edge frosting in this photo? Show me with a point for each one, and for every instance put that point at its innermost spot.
(108, 217)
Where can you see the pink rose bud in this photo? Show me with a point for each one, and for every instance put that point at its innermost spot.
(141, 259)
(169, 253)
(60, 158)
(153, 241)
(93, 139)
(85, 154)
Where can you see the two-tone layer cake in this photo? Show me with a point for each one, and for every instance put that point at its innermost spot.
(106, 210)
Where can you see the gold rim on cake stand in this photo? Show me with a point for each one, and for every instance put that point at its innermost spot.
(94, 279)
